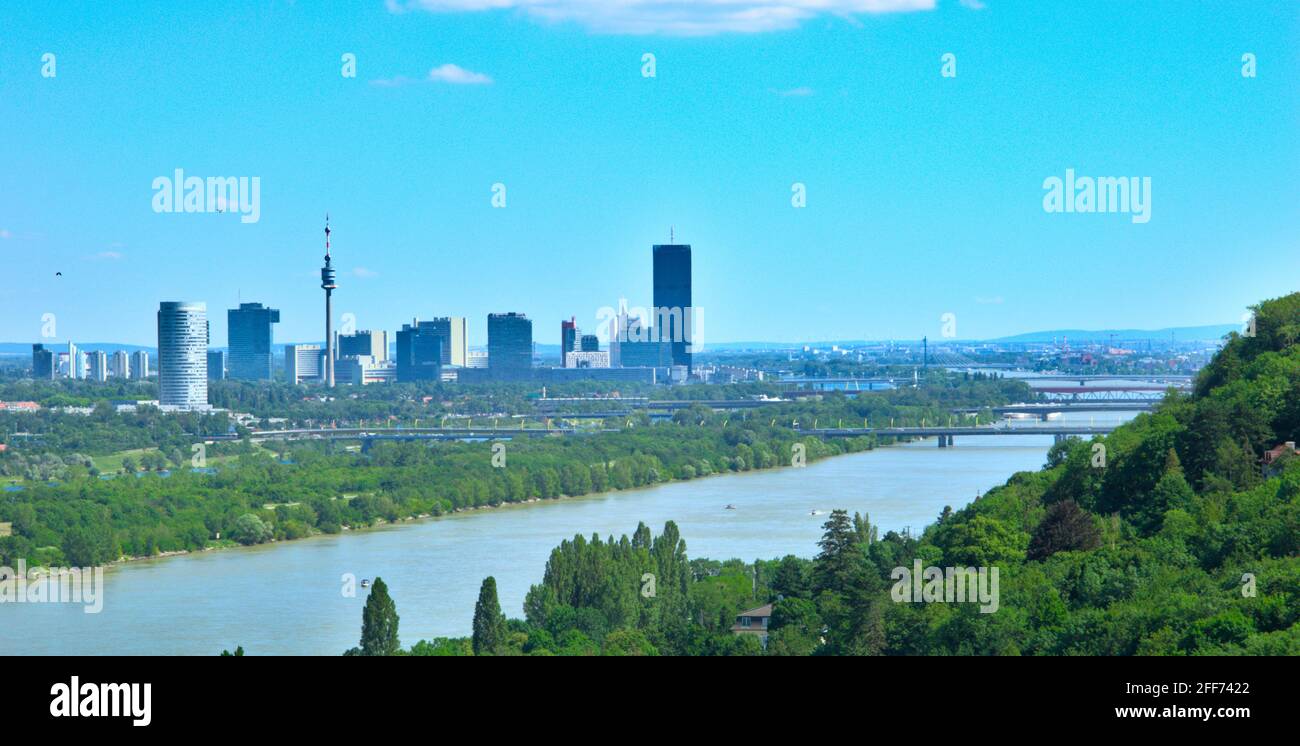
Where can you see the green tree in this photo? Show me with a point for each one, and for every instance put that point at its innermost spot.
(489, 622)
(836, 568)
(791, 579)
(88, 547)
(249, 529)
(795, 628)
(1065, 528)
(847, 591)
(379, 623)
(1172, 492)
(627, 641)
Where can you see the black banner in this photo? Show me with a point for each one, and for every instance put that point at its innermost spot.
(329, 696)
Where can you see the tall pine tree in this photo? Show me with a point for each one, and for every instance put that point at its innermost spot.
(489, 622)
(379, 623)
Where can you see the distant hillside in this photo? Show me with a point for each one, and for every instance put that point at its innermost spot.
(1178, 333)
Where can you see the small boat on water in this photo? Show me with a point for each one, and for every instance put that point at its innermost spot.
(365, 582)
(730, 506)
(816, 512)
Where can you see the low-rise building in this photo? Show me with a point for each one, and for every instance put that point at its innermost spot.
(754, 622)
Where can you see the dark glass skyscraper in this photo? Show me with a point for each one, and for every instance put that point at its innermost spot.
(364, 342)
(249, 338)
(510, 343)
(568, 340)
(42, 362)
(672, 299)
(419, 351)
(216, 365)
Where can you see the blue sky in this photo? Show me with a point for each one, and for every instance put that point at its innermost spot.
(924, 193)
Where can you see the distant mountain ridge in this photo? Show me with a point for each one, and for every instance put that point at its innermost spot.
(1213, 332)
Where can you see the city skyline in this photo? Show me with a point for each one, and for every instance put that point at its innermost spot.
(906, 217)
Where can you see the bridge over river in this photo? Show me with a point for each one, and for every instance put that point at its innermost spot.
(945, 434)
(418, 433)
(1043, 409)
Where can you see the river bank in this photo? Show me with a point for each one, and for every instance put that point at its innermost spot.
(227, 544)
(289, 597)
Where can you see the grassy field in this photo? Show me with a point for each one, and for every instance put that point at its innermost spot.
(112, 463)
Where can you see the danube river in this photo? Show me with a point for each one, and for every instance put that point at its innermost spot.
(287, 597)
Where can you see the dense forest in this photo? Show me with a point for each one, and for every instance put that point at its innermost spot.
(1166, 537)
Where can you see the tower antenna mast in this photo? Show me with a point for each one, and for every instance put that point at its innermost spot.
(328, 284)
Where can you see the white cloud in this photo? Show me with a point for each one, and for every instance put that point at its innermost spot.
(448, 73)
(973, 4)
(673, 17)
(457, 75)
(801, 91)
(365, 273)
(5, 234)
(110, 255)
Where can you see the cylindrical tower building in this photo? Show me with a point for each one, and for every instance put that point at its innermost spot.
(183, 354)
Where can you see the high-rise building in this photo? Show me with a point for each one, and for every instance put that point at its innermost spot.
(455, 343)
(617, 335)
(419, 351)
(42, 362)
(590, 343)
(451, 331)
(182, 355)
(639, 347)
(139, 365)
(216, 365)
(304, 363)
(372, 344)
(672, 299)
(97, 365)
(74, 361)
(249, 334)
(568, 340)
(120, 365)
(510, 343)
